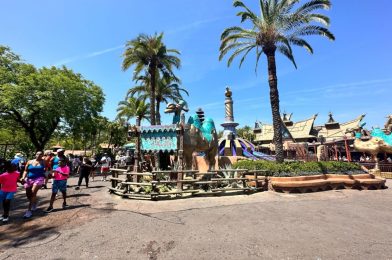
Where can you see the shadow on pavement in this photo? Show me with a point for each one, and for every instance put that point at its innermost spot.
(77, 195)
(25, 236)
(70, 207)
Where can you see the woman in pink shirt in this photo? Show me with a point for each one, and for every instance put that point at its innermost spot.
(9, 187)
(60, 176)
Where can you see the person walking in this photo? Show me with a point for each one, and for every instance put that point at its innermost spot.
(105, 165)
(84, 172)
(19, 161)
(75, 165)
(8, 181)
(33, 179)
(60, 176)
(55, 160)
(48, 157)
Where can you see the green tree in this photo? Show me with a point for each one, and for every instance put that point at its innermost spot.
(168, 89)
(280, 24)
(149, 54)
(118, 132)
(40, 100)
(246, 132)
(133, 107)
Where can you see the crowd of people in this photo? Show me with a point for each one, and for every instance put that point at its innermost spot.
(35, 174)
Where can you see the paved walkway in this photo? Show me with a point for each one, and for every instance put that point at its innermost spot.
(344, 224)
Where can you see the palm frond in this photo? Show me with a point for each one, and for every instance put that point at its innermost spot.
(312, 6)
(286, 51)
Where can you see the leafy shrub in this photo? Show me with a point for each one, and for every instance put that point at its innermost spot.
(296, 168)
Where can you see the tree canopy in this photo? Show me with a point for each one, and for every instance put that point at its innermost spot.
(39, 100)
(149, 55)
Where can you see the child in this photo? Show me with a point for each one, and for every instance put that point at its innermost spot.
(8, 182)
(60, 176)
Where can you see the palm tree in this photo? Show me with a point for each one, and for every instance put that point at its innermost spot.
(168, 89)
(149, 53)
(280, 25)
(133, 107)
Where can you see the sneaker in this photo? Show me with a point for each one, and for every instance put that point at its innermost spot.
(49, 209)
(28, 214)
(5, 220)
(64, 205)
(1, 218)
(34, 206)
(77, 188)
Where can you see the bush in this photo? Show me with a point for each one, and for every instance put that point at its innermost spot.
(296, 168)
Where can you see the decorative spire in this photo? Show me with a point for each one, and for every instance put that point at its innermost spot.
(330, 120)
(285, 116)
(229, 125)
(200, 114)
(228, 92)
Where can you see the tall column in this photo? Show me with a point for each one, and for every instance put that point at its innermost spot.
(229, 125)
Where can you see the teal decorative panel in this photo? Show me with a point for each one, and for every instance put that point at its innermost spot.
(159, 138)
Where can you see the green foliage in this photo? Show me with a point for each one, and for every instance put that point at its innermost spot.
(133, 107)
(149, 56)
(40, 100)
(277, 27)
(168, 89)
(299, 168)
(246, 133)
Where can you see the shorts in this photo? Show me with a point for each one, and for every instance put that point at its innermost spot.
(104, 169)
(37, 181)
(6, 195)
(59, 185)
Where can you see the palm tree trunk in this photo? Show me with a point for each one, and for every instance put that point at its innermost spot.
(158, 115)
(274, 99)
(137, 154)
(152, 71)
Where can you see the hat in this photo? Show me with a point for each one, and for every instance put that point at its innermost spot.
(14, 163)
(18, 155)
(60, 150)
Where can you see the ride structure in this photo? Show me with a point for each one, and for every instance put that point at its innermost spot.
(181, 139)
(231, 144)
(184, 141)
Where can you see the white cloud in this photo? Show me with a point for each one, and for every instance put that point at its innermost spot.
(195, 25)
(340, 87)
(183, 28)
(87, 56)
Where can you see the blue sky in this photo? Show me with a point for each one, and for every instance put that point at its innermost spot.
(348, 77)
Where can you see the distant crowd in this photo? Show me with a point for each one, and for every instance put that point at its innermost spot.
(35, 174)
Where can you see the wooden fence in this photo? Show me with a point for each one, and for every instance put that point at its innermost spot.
(166, 184)
(385, 168)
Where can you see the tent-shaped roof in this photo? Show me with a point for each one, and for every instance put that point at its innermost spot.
(337, 133)
(299, 130)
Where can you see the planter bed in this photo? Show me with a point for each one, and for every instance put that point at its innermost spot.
(325, 182)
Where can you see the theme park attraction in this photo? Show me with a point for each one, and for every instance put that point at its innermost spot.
(184, 141)
(378, 142)
(230, 144)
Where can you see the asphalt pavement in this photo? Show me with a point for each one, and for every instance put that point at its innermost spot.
(340, 224)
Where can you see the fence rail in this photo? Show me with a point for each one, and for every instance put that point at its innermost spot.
(384, 167)
(164, 184)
